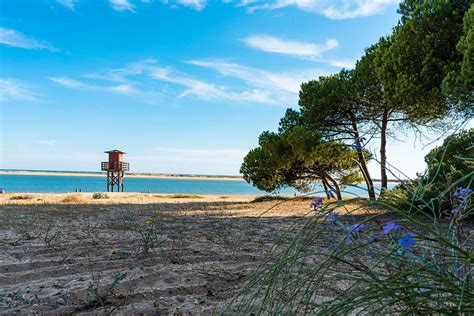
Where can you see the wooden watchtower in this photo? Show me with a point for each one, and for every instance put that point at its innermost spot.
(115, 168)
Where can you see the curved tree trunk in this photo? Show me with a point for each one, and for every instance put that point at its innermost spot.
(325, 186)
(363, 166)
(336, 187)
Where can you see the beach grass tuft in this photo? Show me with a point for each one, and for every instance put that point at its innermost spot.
(99, 196)
(73, 198)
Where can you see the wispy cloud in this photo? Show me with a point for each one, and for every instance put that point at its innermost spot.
(127, 89)
(341, 63)
(10, 37)
(11, 89)
(69, 4)
(200, 88)
(272, 44)
(254, 86)
(48, 142)
(122, 5)
(277, 82)
(333, 9)
(357, 8)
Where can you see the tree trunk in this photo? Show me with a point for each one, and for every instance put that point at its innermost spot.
(326, 190)
(383, 150)
(337, 189)
(363, 166)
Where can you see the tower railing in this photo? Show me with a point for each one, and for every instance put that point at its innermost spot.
(116, 166)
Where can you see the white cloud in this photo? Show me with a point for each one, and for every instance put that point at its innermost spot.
(333, 9)
(70, 4)
(276, 45)
(49, 142)
(341, 63)
(288, 82)
(14, 38)
(197, 5)
(200, 88)
(76, 84)
(122, 5)
(358, 8)
(142, 78)
(68, 82)
(11, 89)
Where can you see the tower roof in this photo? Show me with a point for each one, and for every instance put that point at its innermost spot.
(115, 151)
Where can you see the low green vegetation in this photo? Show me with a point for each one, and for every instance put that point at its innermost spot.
(449, 165)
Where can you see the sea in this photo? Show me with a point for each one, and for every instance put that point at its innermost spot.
(60, 184)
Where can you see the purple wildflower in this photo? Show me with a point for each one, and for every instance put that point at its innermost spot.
(333, 217)
(373, 255)
(390, 226)
(462, 192)
(316, 202)
(407, 241)
(374, 238)
(356, 146)
(347, 240)
(358, 141)
(461, 200)
(356, 228)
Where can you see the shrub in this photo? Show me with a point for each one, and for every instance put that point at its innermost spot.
(449, 165)
(99, 196)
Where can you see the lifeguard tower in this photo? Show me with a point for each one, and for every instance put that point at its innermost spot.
(115, 168)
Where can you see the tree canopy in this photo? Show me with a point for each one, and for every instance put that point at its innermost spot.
(297, 157)
(459, 82)
(421, 53)
(420, 74)
(333, 106)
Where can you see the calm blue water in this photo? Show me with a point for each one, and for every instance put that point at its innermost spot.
(57, 184)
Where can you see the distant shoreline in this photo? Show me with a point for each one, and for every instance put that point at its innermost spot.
(131, 175)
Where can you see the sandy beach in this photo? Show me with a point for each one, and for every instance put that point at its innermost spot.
(146, 253)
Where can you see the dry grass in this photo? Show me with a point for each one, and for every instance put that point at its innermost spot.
(21, 197)
(185, 196)
(99, 195)
(73, 198)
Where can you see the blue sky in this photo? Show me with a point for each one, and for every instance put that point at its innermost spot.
(182, 86)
